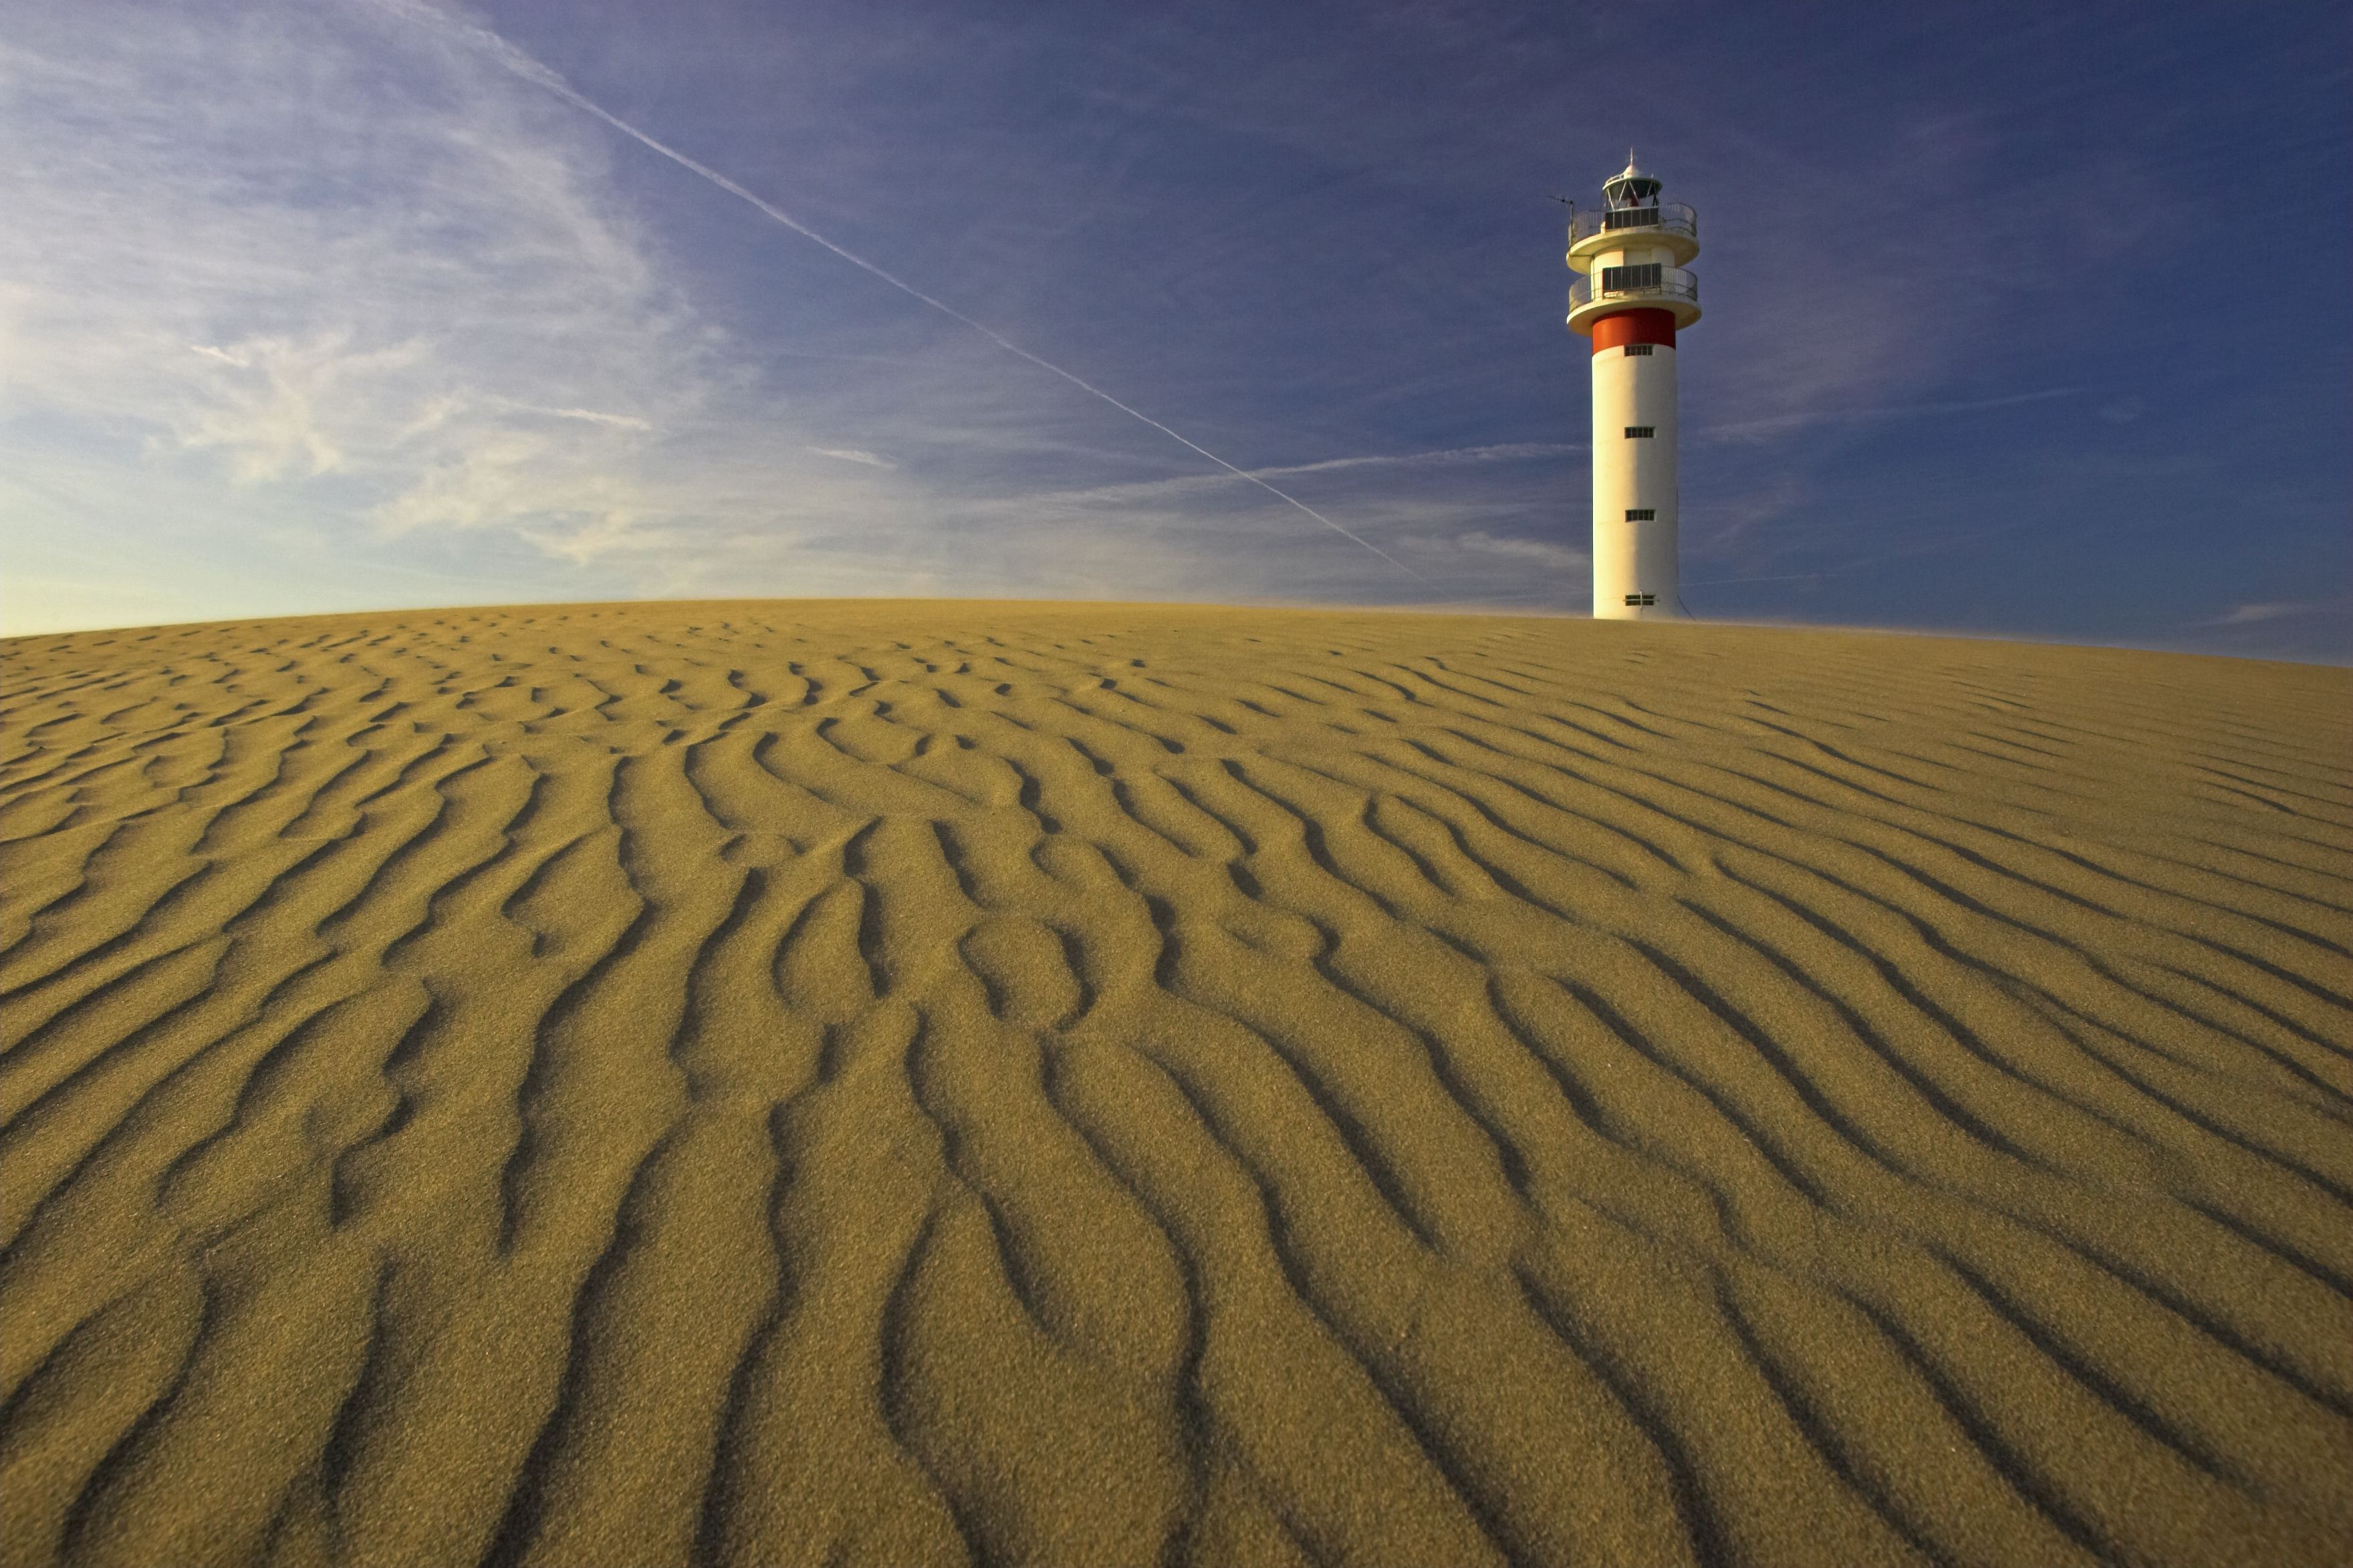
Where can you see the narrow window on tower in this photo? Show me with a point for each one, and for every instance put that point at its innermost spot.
(1642, 349)
(1620, 279)
(1640, 599)
(1639, 432)
(1642, 514)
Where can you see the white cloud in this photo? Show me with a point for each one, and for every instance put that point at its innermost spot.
(855, 455)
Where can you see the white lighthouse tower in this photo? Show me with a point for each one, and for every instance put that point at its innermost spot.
(1631, 300)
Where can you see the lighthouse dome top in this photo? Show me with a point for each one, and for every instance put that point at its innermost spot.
(1630, 187)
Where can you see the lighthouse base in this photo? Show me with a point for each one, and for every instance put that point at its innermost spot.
(1641, 608)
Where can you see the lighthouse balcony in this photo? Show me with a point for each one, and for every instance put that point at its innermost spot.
(1672, 216)
(1662, 225)
(1655, 287)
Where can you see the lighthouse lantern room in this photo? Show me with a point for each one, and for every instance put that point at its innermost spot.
(1632, 298)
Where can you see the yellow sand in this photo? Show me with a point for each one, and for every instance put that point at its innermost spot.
(775, 1083)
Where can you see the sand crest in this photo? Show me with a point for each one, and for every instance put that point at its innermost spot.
(778, 1083)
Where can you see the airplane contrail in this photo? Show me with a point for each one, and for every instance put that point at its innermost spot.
(529, 69)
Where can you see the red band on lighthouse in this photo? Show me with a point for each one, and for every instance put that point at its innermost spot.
(1622, 327)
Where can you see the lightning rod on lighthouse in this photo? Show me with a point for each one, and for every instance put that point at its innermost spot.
(1632, 298)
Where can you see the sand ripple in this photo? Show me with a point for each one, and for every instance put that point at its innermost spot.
(868, 1083)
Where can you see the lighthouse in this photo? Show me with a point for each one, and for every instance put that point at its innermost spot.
(1632, 297)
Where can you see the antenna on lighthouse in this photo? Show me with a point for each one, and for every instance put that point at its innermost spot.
(1631, 300)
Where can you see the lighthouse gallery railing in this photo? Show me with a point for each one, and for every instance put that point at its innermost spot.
(1674, 283)
(1674, 217)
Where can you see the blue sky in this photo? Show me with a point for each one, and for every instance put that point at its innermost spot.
(2022, 321)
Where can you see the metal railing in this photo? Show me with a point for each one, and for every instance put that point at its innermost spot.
(1674, 283)
(1672, 217)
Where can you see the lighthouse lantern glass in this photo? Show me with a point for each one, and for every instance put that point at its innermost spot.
(1632, 191)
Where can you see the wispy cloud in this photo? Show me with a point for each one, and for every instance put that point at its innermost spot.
(1507, 452)
(418, 300)
(1779, 424)
(2275, 610)
(1544, 553)
(589, 416)
(1356, 467)
(526, 69)
(1559, 557)
(299, 301)
(369, 290)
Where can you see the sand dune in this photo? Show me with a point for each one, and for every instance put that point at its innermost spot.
(904, 1083)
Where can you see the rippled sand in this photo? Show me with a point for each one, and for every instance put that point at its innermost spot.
(907, 1083)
